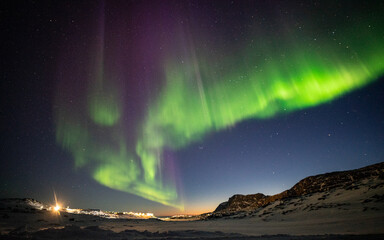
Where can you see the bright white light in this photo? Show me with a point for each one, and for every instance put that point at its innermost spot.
(57, 208)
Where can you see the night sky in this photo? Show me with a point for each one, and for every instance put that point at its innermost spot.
(174, 106)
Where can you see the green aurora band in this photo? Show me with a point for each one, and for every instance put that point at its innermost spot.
(201, 95)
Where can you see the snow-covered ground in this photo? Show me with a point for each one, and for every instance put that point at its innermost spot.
(354, 211)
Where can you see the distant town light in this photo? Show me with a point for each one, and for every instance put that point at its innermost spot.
(57, 208)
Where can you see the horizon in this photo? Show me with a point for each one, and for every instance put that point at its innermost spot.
(63, 205)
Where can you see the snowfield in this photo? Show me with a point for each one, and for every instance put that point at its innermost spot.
(356, 212)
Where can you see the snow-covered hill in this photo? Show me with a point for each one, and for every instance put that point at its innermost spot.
(358, 191)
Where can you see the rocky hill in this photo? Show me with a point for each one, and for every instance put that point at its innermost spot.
(323, 183)
(21, 204)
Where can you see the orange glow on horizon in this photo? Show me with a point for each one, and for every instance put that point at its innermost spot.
(188, 211)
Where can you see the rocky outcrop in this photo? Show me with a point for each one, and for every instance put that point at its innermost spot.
(238, 202)
(308, 185)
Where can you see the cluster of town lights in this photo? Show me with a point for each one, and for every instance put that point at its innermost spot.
(57, 208)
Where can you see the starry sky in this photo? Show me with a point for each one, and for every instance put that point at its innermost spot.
(174, 106)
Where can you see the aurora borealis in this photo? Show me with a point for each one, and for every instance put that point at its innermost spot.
(139, 84)
(205, 94)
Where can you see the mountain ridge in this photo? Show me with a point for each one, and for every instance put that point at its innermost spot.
(309, 185)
